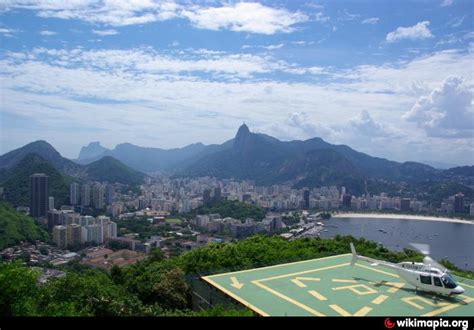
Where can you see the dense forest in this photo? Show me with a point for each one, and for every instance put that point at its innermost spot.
(158, 286)
(16, 227)
(17, 181)
(111, 170)
(230, 208)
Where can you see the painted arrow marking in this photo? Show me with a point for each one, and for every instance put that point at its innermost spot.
(298, 280)
(235, 283)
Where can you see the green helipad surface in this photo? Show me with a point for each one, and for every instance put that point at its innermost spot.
(331, 287)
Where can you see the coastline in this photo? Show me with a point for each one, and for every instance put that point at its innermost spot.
(394, 216)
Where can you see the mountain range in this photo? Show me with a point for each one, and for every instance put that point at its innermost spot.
(253, 156)
(268, 160)
(40, 157)
(141, 158)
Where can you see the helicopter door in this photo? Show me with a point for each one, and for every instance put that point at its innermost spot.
(438, 285)
(437, 281)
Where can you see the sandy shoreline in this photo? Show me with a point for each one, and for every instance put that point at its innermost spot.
(400, 216)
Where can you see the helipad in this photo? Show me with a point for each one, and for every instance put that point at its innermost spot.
(331, 287)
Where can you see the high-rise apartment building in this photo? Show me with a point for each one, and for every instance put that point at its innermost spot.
(85, 195)
(60, 236)
(50, 203)
(98, 196)
(39, 195)
(459, 203)
(73, 234)
(109, 194)
(306, 199)
(74, 194)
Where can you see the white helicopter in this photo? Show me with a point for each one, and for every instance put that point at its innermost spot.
(428, 275)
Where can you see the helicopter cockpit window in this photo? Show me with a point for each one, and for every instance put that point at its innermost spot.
(437, 281)
(425, 279)
(448, 281)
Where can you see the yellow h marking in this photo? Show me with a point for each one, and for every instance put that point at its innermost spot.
(344, 281)
(317, 295)
(380, 299)
(298, 281)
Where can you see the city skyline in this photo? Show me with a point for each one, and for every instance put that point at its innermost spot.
(385, 80)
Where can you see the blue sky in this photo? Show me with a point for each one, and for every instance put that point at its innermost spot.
(390, 78)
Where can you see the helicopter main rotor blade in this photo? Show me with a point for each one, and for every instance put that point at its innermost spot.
(423, 248)
(432, 263)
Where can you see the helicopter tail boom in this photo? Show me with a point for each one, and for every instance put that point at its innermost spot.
(373, 262)
(354, 255)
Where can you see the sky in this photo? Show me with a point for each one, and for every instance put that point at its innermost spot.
(393, 79)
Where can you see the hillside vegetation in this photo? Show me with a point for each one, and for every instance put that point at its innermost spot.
(161, 287)
(17, 181)
(233, 209)
(16, 227)
(111, 170)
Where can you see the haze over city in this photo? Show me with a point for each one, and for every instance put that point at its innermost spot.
(390, 79)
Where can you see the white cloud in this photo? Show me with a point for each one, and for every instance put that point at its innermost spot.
(269, 47)
(117, 12)
(409, 78)
(320, 17)
(125, 89)
(9, 33)
(317, 70)
(347, 16)
(302, 42)
(364, 124)
(5, 31)
(372, 20)
(241, 16)
(314, 5)
(218, 64)
(273, 47)
(446, 3)
(47, 33)
(456, 22)
(415, 32)
(308, 126)
(469, 35)
(447, 111)
(109, 32)
(245, 17)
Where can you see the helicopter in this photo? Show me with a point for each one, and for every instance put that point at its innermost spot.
(428, 276)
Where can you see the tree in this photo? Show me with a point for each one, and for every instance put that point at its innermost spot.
(156, 255)
(16, 227)
(116, 274)
(18, 289)
(90, 293)
(171, 291)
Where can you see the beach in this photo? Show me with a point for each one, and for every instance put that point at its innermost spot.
(400, 216)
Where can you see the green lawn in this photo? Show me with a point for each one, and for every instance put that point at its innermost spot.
(174, 221)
